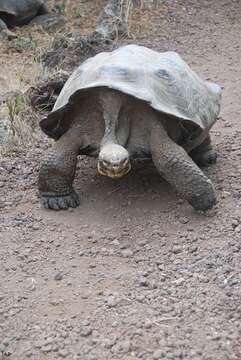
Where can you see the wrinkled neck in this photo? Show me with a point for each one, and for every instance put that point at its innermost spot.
(109, 138)
(115, 134)
(110, 128)
(116, 125)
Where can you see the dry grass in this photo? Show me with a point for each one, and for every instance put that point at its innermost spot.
(126, 7)
(19, 116)
(19, 72)
(21, 65)
(20, 134)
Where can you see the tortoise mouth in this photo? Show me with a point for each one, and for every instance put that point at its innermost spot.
(113, 171)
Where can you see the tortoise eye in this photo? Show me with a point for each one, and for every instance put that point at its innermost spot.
(124, 161)
(105, 163)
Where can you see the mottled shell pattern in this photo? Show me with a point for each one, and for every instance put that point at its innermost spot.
(163, 80)
(20, 8)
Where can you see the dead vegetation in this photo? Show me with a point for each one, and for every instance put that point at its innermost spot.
(39, 92)
(68, 50)
(19, 132)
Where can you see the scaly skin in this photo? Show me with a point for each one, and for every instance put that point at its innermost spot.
(57, 173)
(175, 165)
(204, 155)
(171, 160)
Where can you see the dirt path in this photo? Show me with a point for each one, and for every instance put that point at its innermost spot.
(134, 272)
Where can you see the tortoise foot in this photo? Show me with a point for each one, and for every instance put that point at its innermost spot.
(61, 202)
(206, 159)
(6, 34)
(203, 202)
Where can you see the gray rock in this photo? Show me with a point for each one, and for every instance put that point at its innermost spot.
(113, 301)
(124, 346)
(85, 331)
(63, 353)
(127, 253)
(58, 276)
(46, 348)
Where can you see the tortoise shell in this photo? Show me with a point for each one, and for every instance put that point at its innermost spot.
(18, 11)
(163, 80)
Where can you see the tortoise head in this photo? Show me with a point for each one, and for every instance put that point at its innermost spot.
(114, 161)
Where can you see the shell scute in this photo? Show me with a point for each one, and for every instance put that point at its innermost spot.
(163, 80)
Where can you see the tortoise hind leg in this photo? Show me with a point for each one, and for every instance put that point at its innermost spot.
(204, 155)
(57, 173)
(5, 33)
(174, 164)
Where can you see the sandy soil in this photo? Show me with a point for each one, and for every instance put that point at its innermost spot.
(134, 272)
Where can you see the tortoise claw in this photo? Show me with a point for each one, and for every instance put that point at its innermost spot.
(61, 202)
(210, 158)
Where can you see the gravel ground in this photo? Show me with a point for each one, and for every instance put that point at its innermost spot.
(134, 272)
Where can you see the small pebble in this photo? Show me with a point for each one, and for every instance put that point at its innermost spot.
(158, 354)
(115, 242)
(183, 220)
(63, 353)
(58, 276)
(90, 356)
(143, 282)
(125, 345)
(46, 348)
(127, 253)
(112, 301)
(54, 302)
(177, 249)
(85, 331)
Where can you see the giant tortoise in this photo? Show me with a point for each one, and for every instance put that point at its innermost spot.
(132, 103)
(18, 12)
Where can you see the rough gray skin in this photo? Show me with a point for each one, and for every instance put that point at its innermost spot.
(126, 128)
(15, 13)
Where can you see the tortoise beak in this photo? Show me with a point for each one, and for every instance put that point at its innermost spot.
(114, 171)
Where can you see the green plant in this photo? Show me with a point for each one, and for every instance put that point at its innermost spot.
(62, 8)
(76, 12)
(24, 43)
(20, 133)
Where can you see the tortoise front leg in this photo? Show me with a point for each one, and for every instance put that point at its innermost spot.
(174, 164)
(57, 173)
